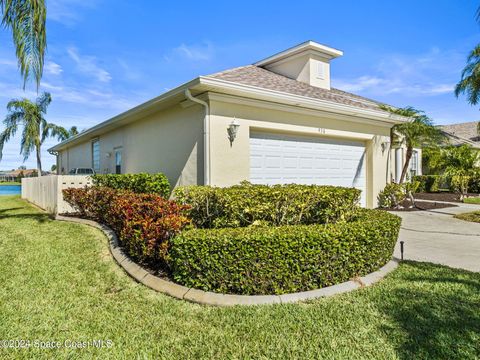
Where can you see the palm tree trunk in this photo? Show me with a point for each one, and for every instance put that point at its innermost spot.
(39, 162)
(407, 163)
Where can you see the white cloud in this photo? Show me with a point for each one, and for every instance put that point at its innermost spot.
(88, 65)
(430, 74)
(53, 68)
(68, 12)
(7, 62)
(195, 52)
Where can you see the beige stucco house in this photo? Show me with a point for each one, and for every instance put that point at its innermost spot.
(276, 121)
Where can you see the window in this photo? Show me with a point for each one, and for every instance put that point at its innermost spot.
(96, 155)
(118, 161)
(414, 164)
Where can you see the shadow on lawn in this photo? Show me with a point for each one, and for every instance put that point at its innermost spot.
(11, 214)
(444, 324)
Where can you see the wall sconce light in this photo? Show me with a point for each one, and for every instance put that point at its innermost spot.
(108, 154)
(232, 130)
(385, 144)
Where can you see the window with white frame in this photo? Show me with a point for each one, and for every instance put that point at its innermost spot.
(96, 155)
(414, 163)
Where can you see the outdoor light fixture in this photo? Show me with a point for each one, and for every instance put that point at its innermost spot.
(385, 144)
(232, 130)
(108, 154)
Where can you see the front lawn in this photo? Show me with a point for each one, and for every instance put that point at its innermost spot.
(473, 216)
(60, 283)
(472, 200)
(5, 183)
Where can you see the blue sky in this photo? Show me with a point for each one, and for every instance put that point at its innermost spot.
(106, 56)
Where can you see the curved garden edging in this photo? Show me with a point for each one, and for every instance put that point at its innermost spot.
(210, 298)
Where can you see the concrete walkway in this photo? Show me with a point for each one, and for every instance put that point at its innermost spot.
(435, 236)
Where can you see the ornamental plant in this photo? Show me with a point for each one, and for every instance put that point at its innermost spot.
(141, 183)
(144, 223)
(260, 205)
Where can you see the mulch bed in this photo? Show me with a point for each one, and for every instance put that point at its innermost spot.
(421, 206)
(441, 196)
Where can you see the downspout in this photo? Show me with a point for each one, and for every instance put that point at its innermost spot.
(206, 136)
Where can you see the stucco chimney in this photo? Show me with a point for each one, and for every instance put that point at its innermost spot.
(308, 62)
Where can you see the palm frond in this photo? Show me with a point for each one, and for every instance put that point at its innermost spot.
(43, 101)
(52, 130)
(26, 19)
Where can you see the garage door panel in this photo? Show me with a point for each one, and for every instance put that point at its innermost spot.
(284, 159)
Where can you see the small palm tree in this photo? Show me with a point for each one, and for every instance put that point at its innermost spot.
(30, 115)
(26, 20)
(469, 83)
(418, 132)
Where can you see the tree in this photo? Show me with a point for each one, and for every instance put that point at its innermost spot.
(469, 83)
(30, 115)
(72, 131)
(26, 20)
(417, 132)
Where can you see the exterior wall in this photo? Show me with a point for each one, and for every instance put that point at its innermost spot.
(304, 68)
(231, 164)
(169, 141)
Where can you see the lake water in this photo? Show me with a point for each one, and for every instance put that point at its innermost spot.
(10, 189)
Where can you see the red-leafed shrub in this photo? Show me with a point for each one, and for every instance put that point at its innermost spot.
(144, 223)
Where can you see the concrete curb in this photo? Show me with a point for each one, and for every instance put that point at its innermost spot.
(210, 298)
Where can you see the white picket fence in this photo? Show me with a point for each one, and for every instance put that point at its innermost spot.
(46, 191)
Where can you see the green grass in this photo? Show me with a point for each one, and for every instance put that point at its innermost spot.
(473, 216)
(10, 183)
(472, 200)
(59, 282)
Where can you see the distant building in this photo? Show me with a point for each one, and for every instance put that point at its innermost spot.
(462, 133)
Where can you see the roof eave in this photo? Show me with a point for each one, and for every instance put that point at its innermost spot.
(298, 100)
(131, 112)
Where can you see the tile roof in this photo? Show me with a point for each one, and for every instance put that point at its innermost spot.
(256, 76)
(467, 130)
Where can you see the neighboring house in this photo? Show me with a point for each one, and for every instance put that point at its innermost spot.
(276, 121)
(462, 133)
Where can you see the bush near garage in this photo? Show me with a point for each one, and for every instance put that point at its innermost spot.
(247, 204)
(430, 183)
(276, 260)
(144, 223)
(141, 183)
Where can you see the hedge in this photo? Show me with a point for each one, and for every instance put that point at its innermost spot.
(141, 183)
(433, 183)
(276, 260)
(144, 223)
(430, 183)
(247, 204)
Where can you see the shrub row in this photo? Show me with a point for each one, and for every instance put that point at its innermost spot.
(248, 204)
(429, 183)
(276, 260)
(433, 183)
(144, 223)
(141, 183)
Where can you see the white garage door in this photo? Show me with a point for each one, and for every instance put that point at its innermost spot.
(286, 159)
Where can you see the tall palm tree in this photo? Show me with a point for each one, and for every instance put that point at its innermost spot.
(469, 83)
(30, 115)
(418, 132)
(26, 20)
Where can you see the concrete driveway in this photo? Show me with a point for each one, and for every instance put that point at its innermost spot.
(435, 236)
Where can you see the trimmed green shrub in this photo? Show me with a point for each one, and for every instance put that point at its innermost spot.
(284, 259)
(247, 204)
(144, 223)
(474, 184)
(141, 183)
(392, 195)
(430, 183)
